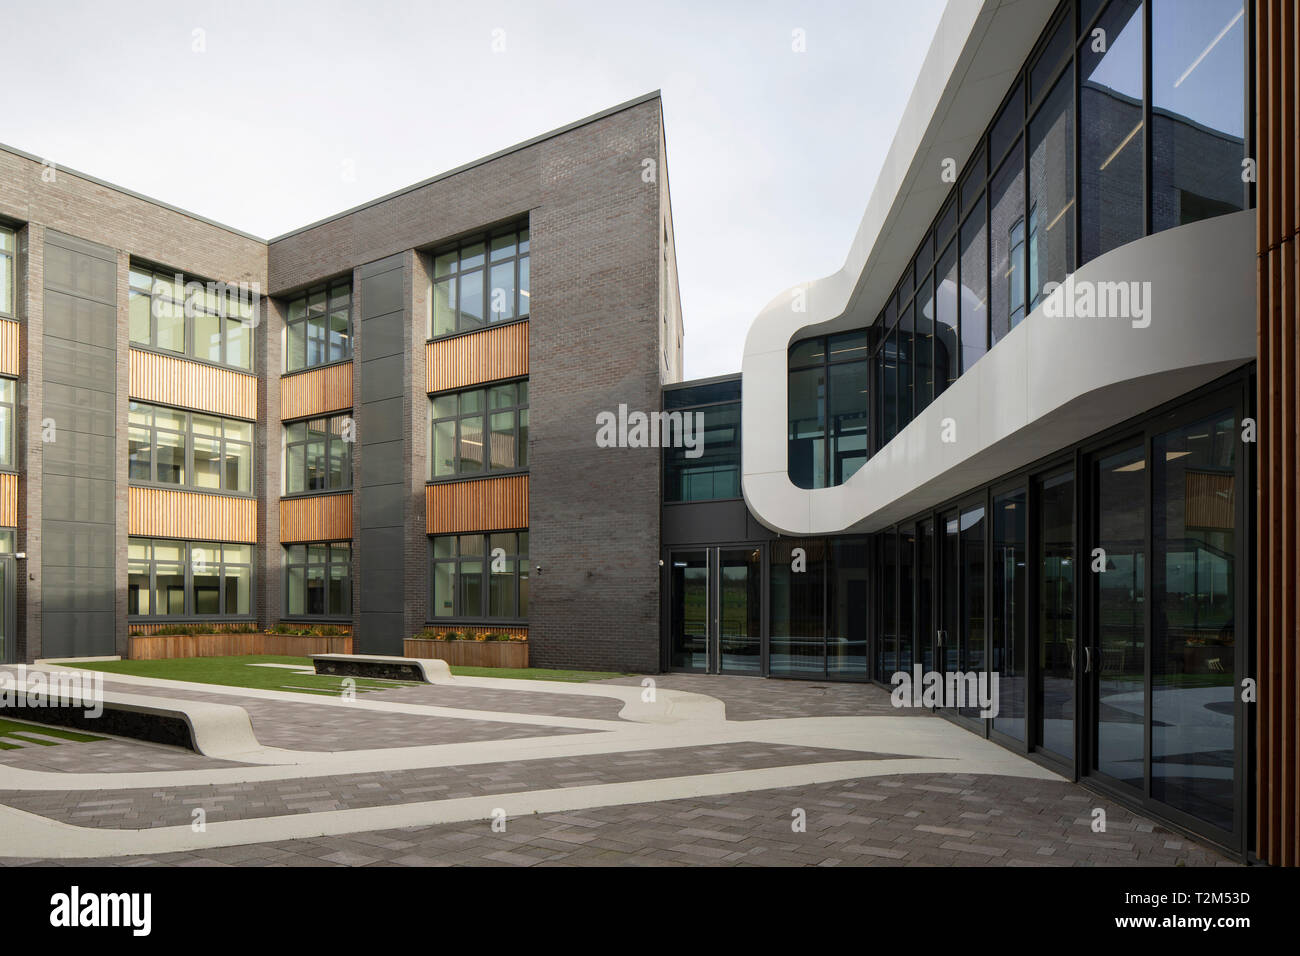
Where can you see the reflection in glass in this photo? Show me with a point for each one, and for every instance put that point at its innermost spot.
(1007, 612)
(1051, 189)
(974, 288)
(690, 610)
(1007, 244)
(797, 609)
(1110, 132)
(972, 599)
(847, 606)
(740, 596)
(1057, 652)
(1198, 76)
(1119, 652)
(1193, 638)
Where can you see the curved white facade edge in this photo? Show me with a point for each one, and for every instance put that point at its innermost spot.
(1050, 382)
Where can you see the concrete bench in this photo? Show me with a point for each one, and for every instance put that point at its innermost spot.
(211, 729)
(423, 670)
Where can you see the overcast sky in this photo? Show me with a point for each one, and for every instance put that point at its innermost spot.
(297, 110)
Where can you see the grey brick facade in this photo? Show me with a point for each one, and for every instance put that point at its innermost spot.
(604, 329)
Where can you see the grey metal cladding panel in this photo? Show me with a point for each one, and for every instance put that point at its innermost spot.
(381, 295)
(73, 363)
(81, 271)
(79, 409)
(380, 422)
(78, 634)
(80, 320)
(79, 455)
(381, 506)
(77, 544)
(82, 246)
(83, 589)
(384, 338)
(80, 499)
(378, 376)
(381, 464)
(380, 266)
(704, 522)
(382, 549)
(381, 632)
(382, 590)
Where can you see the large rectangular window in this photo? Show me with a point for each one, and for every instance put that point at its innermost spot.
(1051, 190)
(829, 406)
(168, 578)
(1007, 612)
(973, 299)
(209, 321)
(714, 472)
(480, 281)
(1111, 124)
(479, 576)
(318, 326)
(8, 297)
(479, 430)
(317, 455)
(1198, 77)
(173, 447)
(8, 422)
(1007, 231)
(318, 579)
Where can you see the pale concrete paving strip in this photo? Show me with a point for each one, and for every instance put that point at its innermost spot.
(321, 793)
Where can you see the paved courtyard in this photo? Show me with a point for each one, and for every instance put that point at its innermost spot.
(703, 771)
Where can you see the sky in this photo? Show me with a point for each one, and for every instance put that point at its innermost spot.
(268, 115)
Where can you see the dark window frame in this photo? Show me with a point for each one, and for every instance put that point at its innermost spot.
(289, 443)
(448, 274)
(188, 564)
(288, 565)
(188, 436)
(520, 428)
(154, 291)
(461, 615)
(334, 293)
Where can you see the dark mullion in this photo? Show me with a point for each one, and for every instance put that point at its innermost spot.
(1148, 134)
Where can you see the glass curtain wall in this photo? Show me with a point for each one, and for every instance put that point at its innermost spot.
(1146, 162)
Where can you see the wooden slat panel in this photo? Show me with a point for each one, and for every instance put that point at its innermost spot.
(174, 381)
(316, 392)
(316, 518)
(471, 653)
(194, 516)
(1211, 500)
(8, 501)
(487, 504)
(163, 647)
(481, 357)
(10, 357)
(1277, 89)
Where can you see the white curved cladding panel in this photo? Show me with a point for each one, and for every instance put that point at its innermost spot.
(1051, 382)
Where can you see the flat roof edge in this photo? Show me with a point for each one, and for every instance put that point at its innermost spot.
(533, 141)
(133, 194)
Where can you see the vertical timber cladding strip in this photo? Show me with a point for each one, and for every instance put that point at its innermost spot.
(316, 392)
(163, 513)
(316, 518)
(486, 504)
(8, 500)
(381, 433)
(186, 384)
(10, 350)
(1277, 89)
(478, 357)
(78, 485)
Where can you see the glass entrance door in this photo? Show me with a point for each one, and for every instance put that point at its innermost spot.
(1057, 650)
(740, 611)
(1115, 658)
(716, 611)
(689, 616)
(8, 609)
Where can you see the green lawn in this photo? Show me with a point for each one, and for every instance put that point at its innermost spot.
(236, 672)
(13, 735)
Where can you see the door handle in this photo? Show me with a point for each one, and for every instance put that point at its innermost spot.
(1087, 660)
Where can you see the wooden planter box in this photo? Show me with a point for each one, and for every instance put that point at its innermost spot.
(470, 653)
(158, 647)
